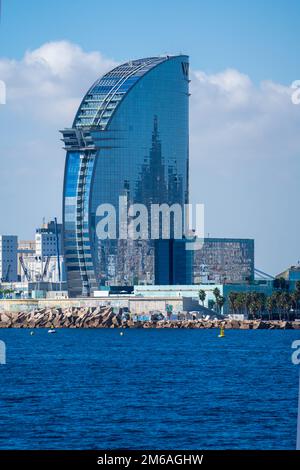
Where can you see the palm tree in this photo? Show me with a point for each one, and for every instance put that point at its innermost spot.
(261, 303)
(218, 298)
(294, 302)
(270, 306)
(216, 293)
(249, 299)
(276, 302)
(220, 302)
(232, 301)
(285, 303)
(240, 302)
(202, 296)
(253, 304)
(297, 295)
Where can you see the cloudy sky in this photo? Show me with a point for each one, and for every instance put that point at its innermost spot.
(244, 128)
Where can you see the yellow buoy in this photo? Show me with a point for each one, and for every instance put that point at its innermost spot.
(222, 333)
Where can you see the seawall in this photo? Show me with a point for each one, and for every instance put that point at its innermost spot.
(104, 317)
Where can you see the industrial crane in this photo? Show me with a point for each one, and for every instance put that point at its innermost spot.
(46, 268)
(6, 277)
(25, 270)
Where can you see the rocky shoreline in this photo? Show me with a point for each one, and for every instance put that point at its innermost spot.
(104, 317)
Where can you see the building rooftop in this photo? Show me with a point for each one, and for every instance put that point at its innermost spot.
(108, 91)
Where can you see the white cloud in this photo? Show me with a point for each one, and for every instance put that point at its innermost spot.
(229, 85)
(245, 160)
(233, 117)
(51, 80)
(44, 90)
(244, 141)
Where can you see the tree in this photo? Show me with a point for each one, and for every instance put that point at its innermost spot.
(232, 301)
(216, 293)
(218, 298)
(202, 296)
(294, 302)
(220, 302)
(261, 302)
(253, 303)
(270, 306)
(240, 302)
(248, 300)
(288, 304)
(296, 295)
(284, 301)
(276, 303)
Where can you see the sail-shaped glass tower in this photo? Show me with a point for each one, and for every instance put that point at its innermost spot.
(129, 138)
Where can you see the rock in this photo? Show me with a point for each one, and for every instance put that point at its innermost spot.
(116, 321)
(107, 318)
(104, 317)
(5, 318)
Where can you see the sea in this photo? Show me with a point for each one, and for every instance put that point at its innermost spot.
(148, 389)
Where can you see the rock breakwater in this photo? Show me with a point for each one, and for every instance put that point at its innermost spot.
(105, 317)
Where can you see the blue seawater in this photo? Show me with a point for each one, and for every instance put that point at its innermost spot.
(148, 389)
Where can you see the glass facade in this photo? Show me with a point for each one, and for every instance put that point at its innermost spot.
(173, 262)
(224, 260)
(129, 138)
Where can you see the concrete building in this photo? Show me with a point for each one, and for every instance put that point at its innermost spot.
(26, 249)
(31, 290)
(38, 259)
(192, 292)
(290, 274)
(8, 258)
(46, 240)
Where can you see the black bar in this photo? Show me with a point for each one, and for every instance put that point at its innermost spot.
(134, 459)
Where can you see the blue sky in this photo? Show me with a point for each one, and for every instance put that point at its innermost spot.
(260, 38)
(244, 129)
